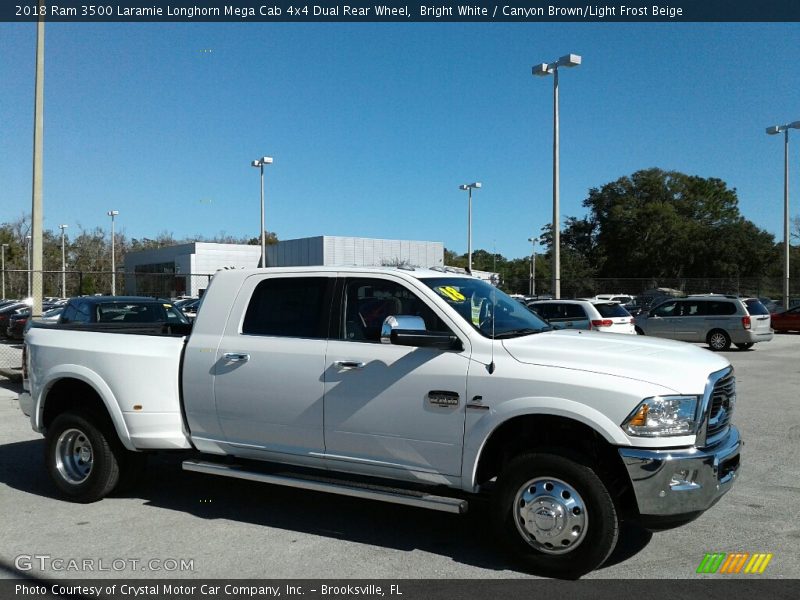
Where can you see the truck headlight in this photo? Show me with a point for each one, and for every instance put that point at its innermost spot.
(663, 416)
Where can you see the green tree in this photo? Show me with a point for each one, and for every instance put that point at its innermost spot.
(663, 224)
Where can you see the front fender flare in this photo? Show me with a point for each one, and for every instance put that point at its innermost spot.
(481, 431)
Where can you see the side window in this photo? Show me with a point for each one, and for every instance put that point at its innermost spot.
(545, 311)
(721, 308)
(573, 312)
(288, 307)
(665, 310)
(367, 303)
(691, 308)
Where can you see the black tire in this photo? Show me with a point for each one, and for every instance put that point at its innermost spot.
(80, 458)
(576, 516)
(746, 346)
(718, 340)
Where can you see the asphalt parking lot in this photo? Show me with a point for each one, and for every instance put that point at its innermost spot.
(178, 524)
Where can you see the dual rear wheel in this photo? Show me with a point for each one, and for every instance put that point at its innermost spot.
(86, 461)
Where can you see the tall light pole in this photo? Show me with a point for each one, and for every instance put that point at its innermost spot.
(112, 214)
(37, 195)
(264, 160)
(533, 266)
(3, 252)
(544, 69)
(28, 252)
(469, 187)
(63, 263)
(774, 130)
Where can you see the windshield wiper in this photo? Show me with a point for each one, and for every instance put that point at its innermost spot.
(518, 332)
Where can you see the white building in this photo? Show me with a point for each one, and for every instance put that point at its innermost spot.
(186, 269)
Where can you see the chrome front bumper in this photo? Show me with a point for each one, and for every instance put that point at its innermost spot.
(682, 481)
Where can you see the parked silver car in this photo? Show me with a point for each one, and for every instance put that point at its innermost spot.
(715, 319)
(600, 315)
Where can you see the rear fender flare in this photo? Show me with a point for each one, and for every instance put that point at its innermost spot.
(93, 380)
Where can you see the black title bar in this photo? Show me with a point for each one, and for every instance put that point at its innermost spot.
(155, 11)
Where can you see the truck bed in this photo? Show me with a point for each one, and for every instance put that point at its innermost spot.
(137, 382)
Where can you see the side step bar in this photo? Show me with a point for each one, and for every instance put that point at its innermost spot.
(343, 488)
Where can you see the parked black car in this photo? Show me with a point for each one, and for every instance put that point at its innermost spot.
(124, 313)
(6, 312)
(17, 322)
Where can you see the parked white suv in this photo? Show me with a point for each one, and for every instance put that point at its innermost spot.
(715, 319)
(600, 315)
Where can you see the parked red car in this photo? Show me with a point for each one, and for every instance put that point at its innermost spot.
(788, 320)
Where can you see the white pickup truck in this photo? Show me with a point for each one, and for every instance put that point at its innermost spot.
(419, 387)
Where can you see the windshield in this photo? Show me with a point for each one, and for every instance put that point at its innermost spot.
(490, 311)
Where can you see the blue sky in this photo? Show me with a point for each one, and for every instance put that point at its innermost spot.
(374, 126)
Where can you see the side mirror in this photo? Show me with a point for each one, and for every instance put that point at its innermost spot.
(409, 330)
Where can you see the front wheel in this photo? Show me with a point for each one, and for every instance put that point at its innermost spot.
(80, 458)
(556, 514)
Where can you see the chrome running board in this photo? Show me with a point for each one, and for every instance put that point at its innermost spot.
(341, 487)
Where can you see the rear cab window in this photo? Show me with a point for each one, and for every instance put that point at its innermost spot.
(289, 307)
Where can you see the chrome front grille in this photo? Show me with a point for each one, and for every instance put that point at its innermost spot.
(721, 405)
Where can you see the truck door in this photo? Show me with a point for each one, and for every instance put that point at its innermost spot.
(391, 409)
(268, 374)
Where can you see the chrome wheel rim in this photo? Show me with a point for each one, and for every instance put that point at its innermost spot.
(717, 341)
(550, 515)
(74, 456)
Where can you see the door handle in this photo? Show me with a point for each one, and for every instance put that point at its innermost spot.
(349, 364)
(236, 357)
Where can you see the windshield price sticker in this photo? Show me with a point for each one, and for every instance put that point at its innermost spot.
(451, 293)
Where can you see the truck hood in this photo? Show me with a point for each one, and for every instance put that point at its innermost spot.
(679, 366)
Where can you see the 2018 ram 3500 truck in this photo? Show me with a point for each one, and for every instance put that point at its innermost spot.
(413, 386)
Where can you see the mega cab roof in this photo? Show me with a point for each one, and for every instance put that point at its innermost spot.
(412, 272)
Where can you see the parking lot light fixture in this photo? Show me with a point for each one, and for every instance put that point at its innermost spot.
(112, 214)
(3, 251)
(469, 187)
(264, 160)
(774, 130)
(542, 70)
